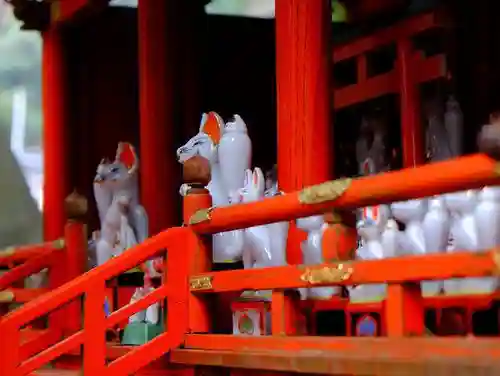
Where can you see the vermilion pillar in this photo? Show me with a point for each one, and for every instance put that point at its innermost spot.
(54, 95)
(411, 129)
(303, 63)
(159, 168)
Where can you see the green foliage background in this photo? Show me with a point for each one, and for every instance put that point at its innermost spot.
(20, 65)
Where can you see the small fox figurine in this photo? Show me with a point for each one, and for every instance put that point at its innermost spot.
(124, 222)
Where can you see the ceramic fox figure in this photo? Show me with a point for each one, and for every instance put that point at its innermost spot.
(378, 240)
(462, 206)
(312, 254)
(123, 220)
(436, 227)
(235, 155)
(265, 245)
(443, 141)
(487, 219)
(230, 144)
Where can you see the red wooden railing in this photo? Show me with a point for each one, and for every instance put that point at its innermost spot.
(64, 260)
(91, 286)
(188, 310)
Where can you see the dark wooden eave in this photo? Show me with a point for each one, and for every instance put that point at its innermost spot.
(39, 15)
(34, 15)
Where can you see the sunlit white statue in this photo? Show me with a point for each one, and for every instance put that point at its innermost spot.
(436, 227)
(462, 206)
(265, 245)
(487, 219)
(124, 222)
(228, 149)
(471, 217)
(312, 254)
(378, 240)
(475, 227)
(377, 231)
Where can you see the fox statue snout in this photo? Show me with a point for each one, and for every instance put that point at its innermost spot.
(183, 154)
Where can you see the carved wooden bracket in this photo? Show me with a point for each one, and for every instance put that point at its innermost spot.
(33, 14)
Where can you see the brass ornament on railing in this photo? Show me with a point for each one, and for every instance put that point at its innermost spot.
(496, 260)
(6, 296)
(75, 206)
(496, 169)
(58, 244)
(200, 216)
(328, 191)
(327, 274)
(9, 251)
(200, 283)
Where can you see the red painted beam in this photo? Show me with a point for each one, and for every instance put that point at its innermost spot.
(403, 29)
(66, 10)
(388, 83)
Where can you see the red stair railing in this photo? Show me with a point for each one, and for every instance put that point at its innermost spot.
(180, 242)
(64, 260)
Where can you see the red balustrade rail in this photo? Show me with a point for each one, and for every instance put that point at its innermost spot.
(16, 255)
(188, 281)
(178, 241)
(459, 174)
(64, 260)
(369, 87)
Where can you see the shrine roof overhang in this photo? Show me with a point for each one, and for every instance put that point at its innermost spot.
(39, 14)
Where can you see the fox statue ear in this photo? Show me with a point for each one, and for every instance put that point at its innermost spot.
(212, 125)
(126, 154)
(248, 177)
(258, 179)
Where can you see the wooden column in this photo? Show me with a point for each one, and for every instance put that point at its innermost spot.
(303, 63)
(159, 168)
(411, 128)
(54, 97)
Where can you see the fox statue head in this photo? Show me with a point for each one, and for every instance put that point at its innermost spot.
(118, 176)
(254, 186)
(115, 174)
(205, 142)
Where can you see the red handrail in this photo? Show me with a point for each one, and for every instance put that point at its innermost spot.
(15, 255)
(469, 172)
(180, 243)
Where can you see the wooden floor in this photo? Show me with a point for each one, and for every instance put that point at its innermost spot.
(333, 363)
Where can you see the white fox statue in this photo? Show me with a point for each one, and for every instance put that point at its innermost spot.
(265, 245)
(228, 149)
(124, 222)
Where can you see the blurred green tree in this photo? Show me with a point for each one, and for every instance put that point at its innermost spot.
(20, 65)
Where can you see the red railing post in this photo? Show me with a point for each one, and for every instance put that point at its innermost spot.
(94, 326)
(411, 129)
(199, 258)
(10, 339)
(71, 264)
(404, 310)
